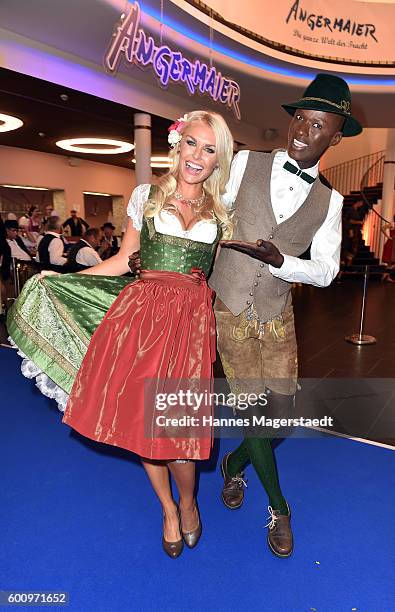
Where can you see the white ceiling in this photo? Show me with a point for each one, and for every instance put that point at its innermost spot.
(82, 36)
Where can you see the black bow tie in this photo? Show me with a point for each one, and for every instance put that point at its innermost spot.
(291, 168)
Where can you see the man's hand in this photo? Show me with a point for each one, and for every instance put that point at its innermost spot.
(135, 263)
(262, 249)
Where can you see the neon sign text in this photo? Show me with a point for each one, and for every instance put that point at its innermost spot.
(132, 43)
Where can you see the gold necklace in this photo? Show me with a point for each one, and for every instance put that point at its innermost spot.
(198, 202)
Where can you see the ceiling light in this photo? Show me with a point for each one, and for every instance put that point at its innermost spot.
(107, 146)
(26, 187)
(159, 162)
(96, 193)
(8, 123)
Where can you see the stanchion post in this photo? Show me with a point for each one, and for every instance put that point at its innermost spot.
(15, 274)
(361, 338)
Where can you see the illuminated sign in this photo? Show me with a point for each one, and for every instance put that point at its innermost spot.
(136, 47)
(334, 24)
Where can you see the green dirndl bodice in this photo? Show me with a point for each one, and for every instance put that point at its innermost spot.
(173, 254)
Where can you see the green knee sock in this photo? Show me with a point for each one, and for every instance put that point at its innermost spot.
(259, 451)
(238, 459)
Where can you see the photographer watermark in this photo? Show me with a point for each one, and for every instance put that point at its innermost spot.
(192, 409)
(195, 400)
(355, 407)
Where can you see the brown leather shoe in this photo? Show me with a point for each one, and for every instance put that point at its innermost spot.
(233, 489)
(280, 537)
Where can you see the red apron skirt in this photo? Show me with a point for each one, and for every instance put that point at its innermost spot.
(156, 341)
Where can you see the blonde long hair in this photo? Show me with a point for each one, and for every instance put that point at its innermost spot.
(214, 185)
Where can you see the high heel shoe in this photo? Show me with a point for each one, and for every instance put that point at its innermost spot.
(174, 549)
(191, 538)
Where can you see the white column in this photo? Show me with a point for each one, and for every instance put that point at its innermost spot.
(389, 177)
(142, 151)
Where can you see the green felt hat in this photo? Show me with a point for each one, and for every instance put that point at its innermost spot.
(331, 94)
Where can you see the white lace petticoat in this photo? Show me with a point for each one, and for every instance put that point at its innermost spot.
(45, 384)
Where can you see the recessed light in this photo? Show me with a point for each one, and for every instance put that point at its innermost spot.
(26, 187)
(158, 162)
(107, 146)
(9, 123)
(96, 193)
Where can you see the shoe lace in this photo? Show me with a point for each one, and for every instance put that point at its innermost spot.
(272, 518)
(239, 480)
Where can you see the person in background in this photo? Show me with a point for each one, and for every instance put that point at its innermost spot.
(28, 239)
(49, 212)
(75, 224)
(12, 246)
(3, 256)
(389, 251)
(353, 219)
(51, 247)
(35, 219)
(16, 244)
(83, 254)
(110, 244)
(33, 225)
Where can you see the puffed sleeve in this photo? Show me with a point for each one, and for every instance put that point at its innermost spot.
(135, 209)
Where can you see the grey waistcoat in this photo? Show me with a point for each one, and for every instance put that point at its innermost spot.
(240, 280)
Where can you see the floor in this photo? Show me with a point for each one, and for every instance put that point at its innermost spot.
(325, 316)
(354, 384)
(80, 517)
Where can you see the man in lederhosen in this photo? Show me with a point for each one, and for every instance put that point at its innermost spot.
(283, 206)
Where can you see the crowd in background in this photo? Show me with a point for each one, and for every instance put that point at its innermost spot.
(43, 241)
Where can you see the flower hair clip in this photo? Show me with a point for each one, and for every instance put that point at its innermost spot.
(175, 131)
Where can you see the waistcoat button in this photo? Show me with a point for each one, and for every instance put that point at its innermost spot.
(271, 236)
(255, 284)
(262, 265)
(248, 302)
(251, 294)
(258, 274)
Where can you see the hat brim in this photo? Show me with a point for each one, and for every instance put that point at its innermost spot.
(351, 126)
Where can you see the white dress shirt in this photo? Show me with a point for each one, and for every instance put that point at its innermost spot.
(87, 256)
(287, 193)
(17, 252)
(55, 250)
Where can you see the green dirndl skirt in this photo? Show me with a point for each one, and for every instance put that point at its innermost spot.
(52, 322)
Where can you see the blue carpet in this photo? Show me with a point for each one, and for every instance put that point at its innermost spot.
(80, 517)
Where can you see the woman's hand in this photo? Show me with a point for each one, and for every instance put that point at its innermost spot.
(45, 273)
